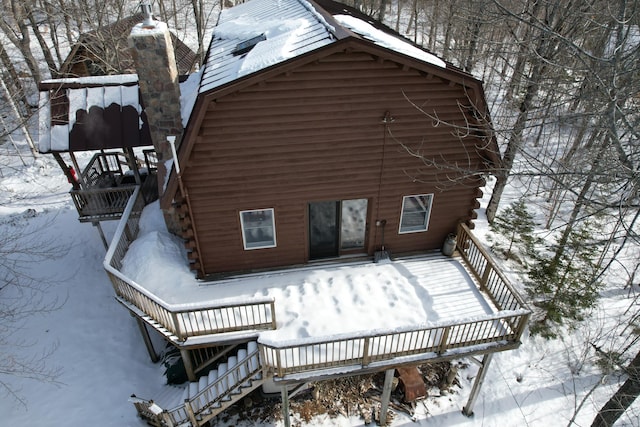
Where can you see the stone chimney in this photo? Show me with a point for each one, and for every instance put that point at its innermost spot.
(155, 61)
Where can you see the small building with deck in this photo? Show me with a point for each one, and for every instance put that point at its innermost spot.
(311, 137)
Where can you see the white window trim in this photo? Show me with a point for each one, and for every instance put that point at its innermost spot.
(273, 226)
(427, 218)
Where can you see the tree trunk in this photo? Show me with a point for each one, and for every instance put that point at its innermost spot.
(23, 44)
(581, 200)
(473, 44)
(513, 146)
(16, 90)
(622, 399)
(524, 51)
(48, 57)
(383, 10)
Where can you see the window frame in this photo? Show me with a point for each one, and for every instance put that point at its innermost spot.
(427, 214)
(244, 234)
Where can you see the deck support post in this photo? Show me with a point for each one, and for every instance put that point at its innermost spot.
(477, 384)
(104, 239)
(79, 171)
(147, 339)
(284, 391)
(188, 366)
(386, 395)
(133, 165)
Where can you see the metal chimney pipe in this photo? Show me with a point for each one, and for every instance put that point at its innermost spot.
(148, 17)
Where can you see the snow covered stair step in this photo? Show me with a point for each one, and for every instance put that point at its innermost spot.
(232, 378)
(185, 394)
(223, 383)
(254, 363)
(242, 371)
(203, 382)
(170, 396)
(213, 377)
(193, 389)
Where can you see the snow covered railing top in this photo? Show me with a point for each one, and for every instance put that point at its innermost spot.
(181, 320)
(501, 330)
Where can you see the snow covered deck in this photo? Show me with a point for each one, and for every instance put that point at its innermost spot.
(321, 316)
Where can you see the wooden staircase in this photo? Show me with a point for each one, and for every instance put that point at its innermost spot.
(199, 401)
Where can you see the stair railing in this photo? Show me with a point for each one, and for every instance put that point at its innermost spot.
(208, 402)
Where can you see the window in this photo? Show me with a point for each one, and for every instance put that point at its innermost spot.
(245, 46)
(258, 229)
(415, 213)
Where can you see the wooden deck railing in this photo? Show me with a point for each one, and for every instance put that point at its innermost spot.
(101, 202)
(107, 186)
(183, 321)
(101, 166)
(284, 358)
(505, 326)
(492, 281)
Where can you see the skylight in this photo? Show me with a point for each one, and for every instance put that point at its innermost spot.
(245, 46)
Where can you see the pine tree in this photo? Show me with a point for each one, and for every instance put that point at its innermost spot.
(516, 226)
(564, 287)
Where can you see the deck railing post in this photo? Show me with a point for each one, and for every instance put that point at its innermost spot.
(485, 274)
(190, 413)
(176, 326)
(168, 420)
(521, 325)
(442, 347)
(366, 358)
(273, 314)
(279, 367)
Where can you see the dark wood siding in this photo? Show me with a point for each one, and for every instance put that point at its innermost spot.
(317, 134)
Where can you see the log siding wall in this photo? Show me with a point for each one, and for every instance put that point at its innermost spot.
(315, 134)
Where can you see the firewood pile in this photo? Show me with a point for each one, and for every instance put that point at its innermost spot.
(350, 396)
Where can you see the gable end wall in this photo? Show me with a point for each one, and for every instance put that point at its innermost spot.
(317, 134)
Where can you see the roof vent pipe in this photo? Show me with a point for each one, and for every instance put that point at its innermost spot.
(148, 18)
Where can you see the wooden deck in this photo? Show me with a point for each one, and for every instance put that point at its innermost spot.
(476, 312)
(107, 183)
(496, 321)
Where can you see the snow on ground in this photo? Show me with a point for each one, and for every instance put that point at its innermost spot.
(102, 359)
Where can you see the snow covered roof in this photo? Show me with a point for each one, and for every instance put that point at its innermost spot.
(102, 112)
(105, 112)
(91, 113)
(261, 33)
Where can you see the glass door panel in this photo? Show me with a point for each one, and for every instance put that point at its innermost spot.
(323, 229)
(353, 224)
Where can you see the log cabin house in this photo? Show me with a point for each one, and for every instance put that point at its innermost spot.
(310, 133)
